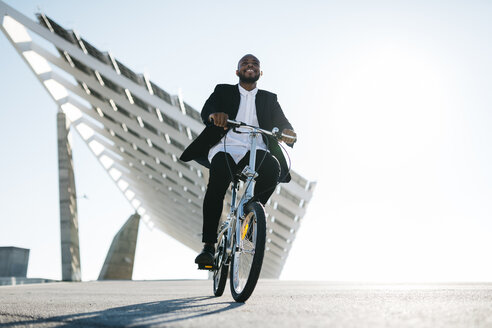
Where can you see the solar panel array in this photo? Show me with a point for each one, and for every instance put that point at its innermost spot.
(137, 131)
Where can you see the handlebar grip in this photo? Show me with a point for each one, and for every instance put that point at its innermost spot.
(293, 138)
(234, 123)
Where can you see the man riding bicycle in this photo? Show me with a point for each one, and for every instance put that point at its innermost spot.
(223, 151)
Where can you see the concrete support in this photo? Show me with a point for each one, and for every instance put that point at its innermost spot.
(121, 255)
(13, 262)
(69, 226)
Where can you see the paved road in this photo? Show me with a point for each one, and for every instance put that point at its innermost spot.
(274, 304)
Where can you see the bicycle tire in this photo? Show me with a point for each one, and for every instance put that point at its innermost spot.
(221, 271)
(246, 267)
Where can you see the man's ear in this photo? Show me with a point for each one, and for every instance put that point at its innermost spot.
(261, 73)
(237, 72)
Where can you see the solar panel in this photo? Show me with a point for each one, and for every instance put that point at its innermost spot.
(144, 142)
(125, 71)
(161, 93)
(103, 57)
(57, 29)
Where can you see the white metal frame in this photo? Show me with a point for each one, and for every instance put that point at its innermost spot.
(166, 193)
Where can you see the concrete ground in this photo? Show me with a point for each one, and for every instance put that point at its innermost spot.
(273, 304)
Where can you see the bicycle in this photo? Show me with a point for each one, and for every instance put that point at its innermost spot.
(241, 237)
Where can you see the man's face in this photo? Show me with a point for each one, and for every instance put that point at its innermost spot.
(248, 69)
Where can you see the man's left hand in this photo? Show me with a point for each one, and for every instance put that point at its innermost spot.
(289, 132)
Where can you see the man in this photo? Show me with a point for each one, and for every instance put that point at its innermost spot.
(223, 151)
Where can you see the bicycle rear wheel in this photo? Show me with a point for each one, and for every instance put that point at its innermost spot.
(247, 260)
(221, 270)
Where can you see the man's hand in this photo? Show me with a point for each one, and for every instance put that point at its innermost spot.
(219, 119)
(289, 132)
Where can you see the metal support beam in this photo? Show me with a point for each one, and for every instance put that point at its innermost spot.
(121, 255)
(69, 226)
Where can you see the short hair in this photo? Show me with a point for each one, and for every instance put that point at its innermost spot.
(247, 55)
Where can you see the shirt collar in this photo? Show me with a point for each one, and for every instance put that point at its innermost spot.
(245, 92)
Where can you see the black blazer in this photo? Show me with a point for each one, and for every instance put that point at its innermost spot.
(225, 99)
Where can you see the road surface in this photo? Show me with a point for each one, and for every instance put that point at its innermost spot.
(188, 303)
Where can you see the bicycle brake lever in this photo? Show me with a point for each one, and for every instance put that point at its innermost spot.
(276, 132)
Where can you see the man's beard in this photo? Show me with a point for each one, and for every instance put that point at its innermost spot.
(245, 79)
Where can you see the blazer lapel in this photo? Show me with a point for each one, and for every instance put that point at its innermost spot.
(260, 102)
(235, 100)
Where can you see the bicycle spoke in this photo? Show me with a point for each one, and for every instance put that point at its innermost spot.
(244, 256)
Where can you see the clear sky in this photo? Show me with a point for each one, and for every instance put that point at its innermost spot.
(390, 99)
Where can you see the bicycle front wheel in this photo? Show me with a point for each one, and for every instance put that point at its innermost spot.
(247, 259)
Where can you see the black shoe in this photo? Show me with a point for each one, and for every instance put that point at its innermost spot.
(206, 257)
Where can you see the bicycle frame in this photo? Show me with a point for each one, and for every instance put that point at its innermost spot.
(232, 222)
(236, 212)
(242, 236)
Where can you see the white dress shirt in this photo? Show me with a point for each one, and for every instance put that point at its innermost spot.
(237, 144)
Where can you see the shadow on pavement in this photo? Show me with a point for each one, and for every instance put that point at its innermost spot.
(139, 315)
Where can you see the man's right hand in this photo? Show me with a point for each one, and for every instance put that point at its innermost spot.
(219, 119)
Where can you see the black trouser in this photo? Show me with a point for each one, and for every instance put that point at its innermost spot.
(220, 179)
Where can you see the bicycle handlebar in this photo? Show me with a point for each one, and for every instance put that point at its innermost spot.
(276, 133)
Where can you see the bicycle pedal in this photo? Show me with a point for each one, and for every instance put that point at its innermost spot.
(206, 267)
